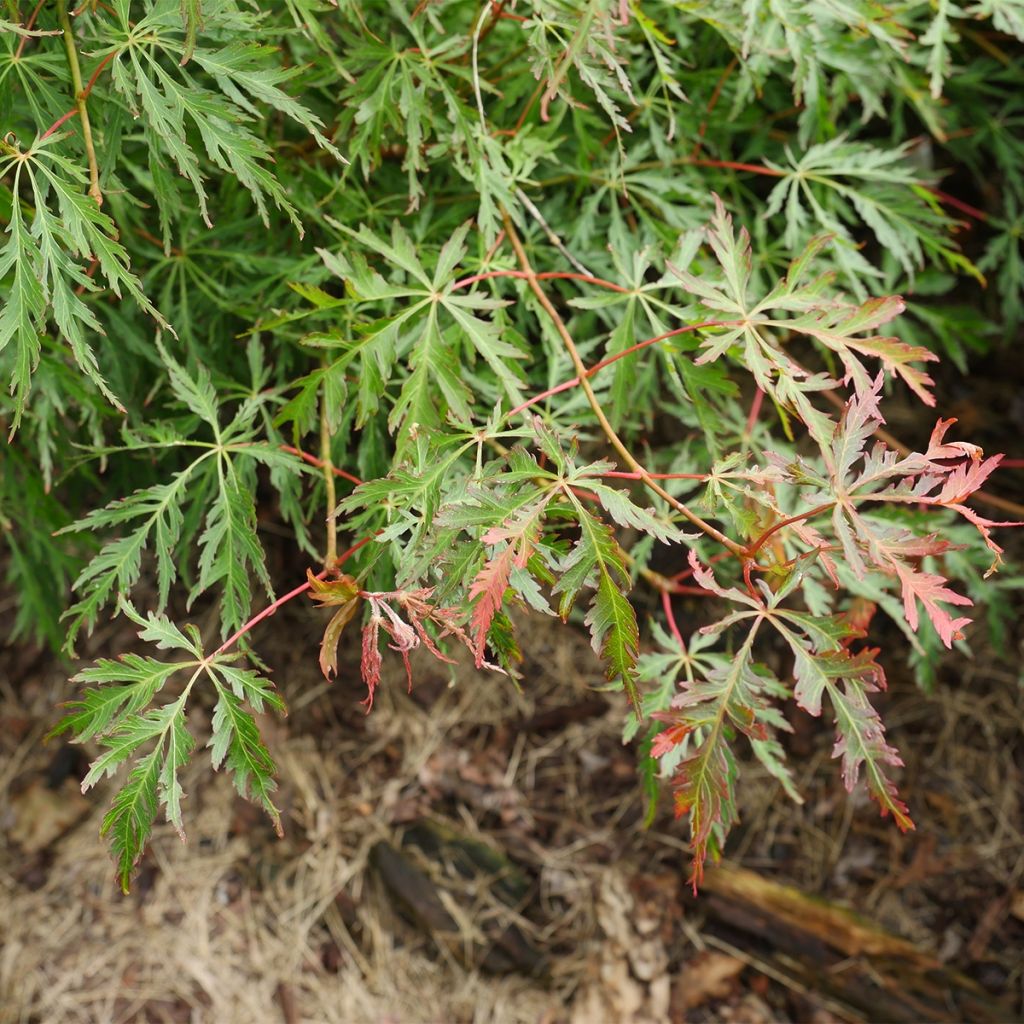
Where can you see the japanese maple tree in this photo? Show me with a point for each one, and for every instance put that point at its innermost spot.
(502, 309)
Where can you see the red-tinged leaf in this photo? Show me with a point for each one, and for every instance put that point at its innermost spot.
(940, 449)
(861, 419)
(342, 593)
(847, 679)
(428, 641)
(705, 578)
(670, 738)
(870, 315)
(966, 478)
(488, 590)
(405, 636)
(836, 326)
(931, 590)
(732, 252)
(984, 527)
(370, 664)
(332, 634)
(816, 673)
(704, 789)
(731, 698)
(861, 741)
(896, 356)
(859, 616)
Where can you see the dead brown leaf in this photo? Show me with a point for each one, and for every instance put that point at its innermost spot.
(709, 975)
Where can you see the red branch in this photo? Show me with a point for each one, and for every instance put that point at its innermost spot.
(755, 411)
(621, 475)
(957, 204)
(85, 93)
(547, 276)
(666, 603)
(290, 596)
(28, 28)
(565, 385)
(732, 165)
(319, 463)
(687, 573)
(755, 546)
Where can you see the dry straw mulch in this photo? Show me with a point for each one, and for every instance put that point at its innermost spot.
(236, 926)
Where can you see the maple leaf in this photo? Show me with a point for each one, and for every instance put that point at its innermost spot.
(860, 741)
(117, 711)
(490, 583)
(834, 324)
(611, 619)
(724, 699)
(931, 590)
(944, 475)
(488, 590)
(344, 594)
(847, 679)
(407, 636)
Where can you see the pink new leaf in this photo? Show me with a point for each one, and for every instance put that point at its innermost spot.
(984, 527)
(896, 357)
(940, 449)
(966, 478)
(488, 590)
(370, 663)
(491, 582)
(931, 590)
(705, 578)
(860, 420)
(860, 740)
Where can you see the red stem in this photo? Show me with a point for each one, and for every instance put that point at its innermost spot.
(285, 598)
(28, 28)
(565, 385)
(687, 573)
(85, 93)
(689, 591)
(957, 204)
(548, 275)
(661, 337)
(620, 475)
(755, 411)
(943, 197)
(99, 69)
(56, 124)
(524, 113)
(732, 165)
(753, 548)
(319, 463)
(712, 103)
(666, 603)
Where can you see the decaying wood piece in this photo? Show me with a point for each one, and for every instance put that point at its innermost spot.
(827, 949)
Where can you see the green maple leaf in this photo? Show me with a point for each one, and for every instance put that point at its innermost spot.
(153, 740)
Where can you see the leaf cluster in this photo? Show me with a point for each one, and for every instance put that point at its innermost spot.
(517, 302)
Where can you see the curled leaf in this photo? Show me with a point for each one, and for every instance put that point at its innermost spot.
(342, 593)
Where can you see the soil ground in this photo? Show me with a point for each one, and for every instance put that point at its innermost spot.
(473, 853)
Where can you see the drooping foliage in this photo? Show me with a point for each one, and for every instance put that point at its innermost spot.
(544, 307)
